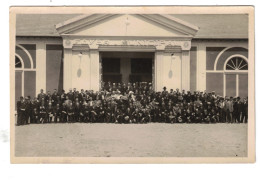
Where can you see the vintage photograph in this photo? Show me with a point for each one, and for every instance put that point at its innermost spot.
(132, 85)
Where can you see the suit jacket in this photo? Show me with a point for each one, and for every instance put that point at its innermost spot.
(230, 106)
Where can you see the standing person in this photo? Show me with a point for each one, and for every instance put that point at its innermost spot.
(240, 109)
(74, 93)
(55, 97)
(82, 96)
(236, 113)
(226, 109)
(70, 95)
(244, 111)
(48, 97)
(220, 107)
(231, 109)
(63, 96)
(27, 110)
(21, 106)
(41, 96)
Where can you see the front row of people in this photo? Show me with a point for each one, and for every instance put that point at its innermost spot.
(123, 109)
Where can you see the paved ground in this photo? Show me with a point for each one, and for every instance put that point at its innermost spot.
(131, 140)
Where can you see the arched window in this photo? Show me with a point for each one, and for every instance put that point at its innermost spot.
(237, 63)
(18, 62)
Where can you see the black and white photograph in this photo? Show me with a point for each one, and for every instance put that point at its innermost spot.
(138, 85)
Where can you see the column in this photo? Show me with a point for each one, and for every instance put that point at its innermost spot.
(185, 71)
(40, 67)
(158, 64)
(201, 68)
(67, 69)
(94, 64)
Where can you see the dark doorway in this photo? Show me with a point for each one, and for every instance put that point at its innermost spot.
(125, 67)
(111, 70)
(141, 70)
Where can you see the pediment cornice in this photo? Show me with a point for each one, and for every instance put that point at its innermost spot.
(170, 22)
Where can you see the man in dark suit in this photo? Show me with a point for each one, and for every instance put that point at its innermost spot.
(20, 112)
(236, 113)
(244, 110)
(70, 94)
(41, 96)
(55, 97)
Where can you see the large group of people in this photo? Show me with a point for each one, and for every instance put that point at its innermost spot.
(131, 103)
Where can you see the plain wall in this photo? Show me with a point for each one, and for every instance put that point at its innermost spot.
(54, 67)
(30, 83)
(214, 82)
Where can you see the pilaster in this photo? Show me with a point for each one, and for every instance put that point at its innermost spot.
(40, 67)
(67, 69)
(158, 60)
(185, 73)
(201, 68)
(94, 64)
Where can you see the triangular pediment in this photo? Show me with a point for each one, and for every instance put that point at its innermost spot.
(142, 25)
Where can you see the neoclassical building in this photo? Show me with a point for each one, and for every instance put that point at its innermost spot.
(190, 52)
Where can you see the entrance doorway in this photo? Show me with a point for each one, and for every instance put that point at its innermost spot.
(141, 70)
(125, 67)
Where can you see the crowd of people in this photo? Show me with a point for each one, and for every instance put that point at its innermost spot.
(131, 103)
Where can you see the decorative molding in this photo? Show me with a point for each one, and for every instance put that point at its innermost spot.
(80, 21)
(230, 57)
(35, 40)
(94, 43)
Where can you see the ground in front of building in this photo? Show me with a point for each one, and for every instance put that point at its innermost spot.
(131, 140)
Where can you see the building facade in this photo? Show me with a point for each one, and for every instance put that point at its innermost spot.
(189, 52)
